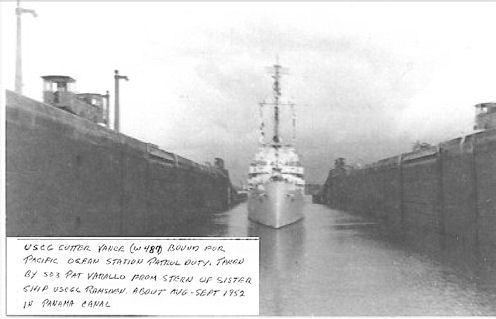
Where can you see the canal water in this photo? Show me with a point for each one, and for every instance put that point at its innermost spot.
(337, 263)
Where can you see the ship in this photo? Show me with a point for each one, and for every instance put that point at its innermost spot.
(276, 177)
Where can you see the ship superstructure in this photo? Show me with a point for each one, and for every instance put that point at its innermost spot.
(276, 181)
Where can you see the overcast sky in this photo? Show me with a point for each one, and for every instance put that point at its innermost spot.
(368, 79)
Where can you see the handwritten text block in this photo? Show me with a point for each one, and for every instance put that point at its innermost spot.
(132, 276)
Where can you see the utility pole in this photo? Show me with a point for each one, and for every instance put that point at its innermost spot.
(117, 77)
(18, 77)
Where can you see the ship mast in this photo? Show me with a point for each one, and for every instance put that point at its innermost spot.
(277, 95)
(276, 138)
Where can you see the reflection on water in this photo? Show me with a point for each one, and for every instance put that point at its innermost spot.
(336, 263)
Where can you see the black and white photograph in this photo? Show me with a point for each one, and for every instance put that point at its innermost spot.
(330, 158)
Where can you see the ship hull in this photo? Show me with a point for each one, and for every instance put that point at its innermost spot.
(277, 206)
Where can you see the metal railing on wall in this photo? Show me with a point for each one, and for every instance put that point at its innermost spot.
(174, 160)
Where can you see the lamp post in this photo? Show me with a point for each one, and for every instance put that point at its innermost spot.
(117, 77)
(18, 77)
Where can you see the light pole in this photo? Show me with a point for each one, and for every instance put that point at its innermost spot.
(18, 77)
(117, 77)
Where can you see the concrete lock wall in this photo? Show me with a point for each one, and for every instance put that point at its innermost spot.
(450, 189)
(66, 176)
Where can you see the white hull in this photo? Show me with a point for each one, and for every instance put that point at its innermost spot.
(280, 204)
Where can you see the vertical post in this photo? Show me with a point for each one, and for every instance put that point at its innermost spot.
(117, 77)
(18, 75)
(116, 101)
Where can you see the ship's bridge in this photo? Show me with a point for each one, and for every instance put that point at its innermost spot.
(283, 161)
